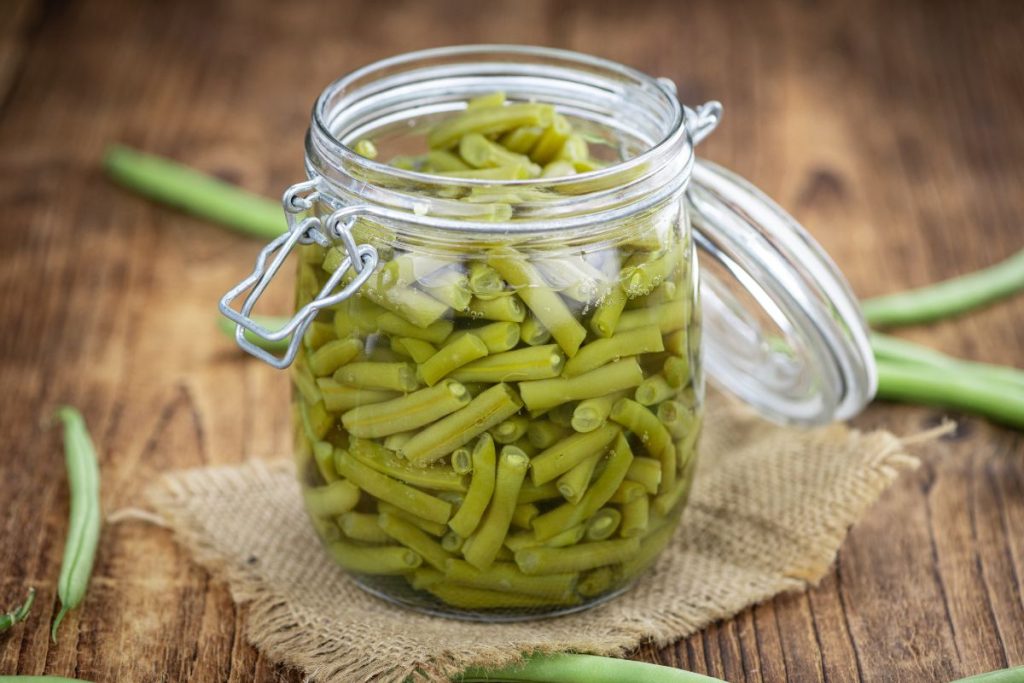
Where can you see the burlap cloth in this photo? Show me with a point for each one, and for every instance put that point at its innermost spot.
(769, 509)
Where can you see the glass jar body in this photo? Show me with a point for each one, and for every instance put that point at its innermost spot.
(502, 426)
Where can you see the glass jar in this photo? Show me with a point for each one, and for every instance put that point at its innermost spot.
(499, 385)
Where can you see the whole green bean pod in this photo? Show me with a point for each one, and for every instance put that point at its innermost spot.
(85, 517)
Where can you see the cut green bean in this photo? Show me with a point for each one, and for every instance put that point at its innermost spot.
(480, 152)
(595, 582)
(544, 433)
(654, 390)
(481, 549)
(558, 169)
(591, 413)
(669, 499)
(432, 528)
(462, 460)
(510, 430)
(481, 488)
(339, 398)
(332, 355)
(382, 560)
(627, 492)
(331, 500)
(533, 332)
(535, 362)
(316, 421)
(417, 349)
(443, 160)
(524, 514)
(548, 393)
(543, 560)
(635, 517)
(506, 577)
(434, 333)
(450, 357)
(452, 542)
(640, 279)
(549, 308)
(362, 526)
(450, 287)
(444, 436)
(609, 310)
(391, 490)
(488, 121)
(370, 375)
(305, 382)
(376, 457)
(406, 413)
(573, 484)
(522, 139)
(551, 140)
(531, 493)
(505, 308)
(676, 372)
(414, 539)
(323, 454)
(668, 317)
(655, 437)
(566, 454)
(677, 418)
(84, 517)
(498, 337)
(317, 334)
(602, 351)
(603, 524)
(646, 471)
(484, 281)
(466, 597)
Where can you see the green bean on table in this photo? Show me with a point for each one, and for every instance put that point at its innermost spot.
(84, 518)
(19, 613)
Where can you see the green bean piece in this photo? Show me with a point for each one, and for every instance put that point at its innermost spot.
(378, 353)
(603, 524)
(323, 454)
(462, 460)
(653, 542)
(338, 398)
(406, 413)
(677, 418)
(576, 151)
(609, 310)
(375, 456)
(655, 437)
(19, 613)
(569, 452)
(450, 357)
(523, 444)
(676, 371)
(602, 351)
(561, 415)
(444, 436)
(591, 413)
(481, 549)
(411, 304)
(543, 560)
(479, 152)
(522, 139)
(449, 287)
(628, 491)
(317, 334)
(466, 597)
(443, 160)
(531, 493)
(493, 99)
(362, 526)
(506, 577)
(544, 303)
(382, 560)
(484, 281)
(544, 433)
(506, 308)
(654, 390)
(417, 349)
(413, 538)
(548, 393)
(488, 121)
(551, 140)
(602, 489)
(677, 343)
(356, 316)
(481, 487)
(510, 430)
(432, 528)
(528, 539)
(391, 490)
(331, 500)
(497, 337)
(635, 517)
(365, 148)
(435, 333)
(646, 471)
(558, 169)
(425, 577)
(573, 484)
(304, 381)
(452, 542)
(662, 294)
(533, 332)
(371, 375)
(667, 501)
(85, 516)
(535, 362)
(640, 279)
(595, 582)
(524, 514)
(332, 355)
(668, 317)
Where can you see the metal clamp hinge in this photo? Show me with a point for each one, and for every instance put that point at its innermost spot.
(362, 259)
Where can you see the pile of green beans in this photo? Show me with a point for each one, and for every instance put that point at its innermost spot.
(502, 427)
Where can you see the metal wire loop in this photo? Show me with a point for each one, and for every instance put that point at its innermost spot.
(300, 197)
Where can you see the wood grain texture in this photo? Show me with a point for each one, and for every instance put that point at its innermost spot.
(892, 130)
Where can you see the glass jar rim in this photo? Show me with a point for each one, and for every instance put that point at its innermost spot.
(673, 146)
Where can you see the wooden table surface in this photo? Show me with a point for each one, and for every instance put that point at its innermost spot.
(892, 130)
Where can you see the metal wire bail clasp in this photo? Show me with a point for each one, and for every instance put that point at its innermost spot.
(361, 258)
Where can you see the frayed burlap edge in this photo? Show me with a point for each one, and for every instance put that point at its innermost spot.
(307, 642)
